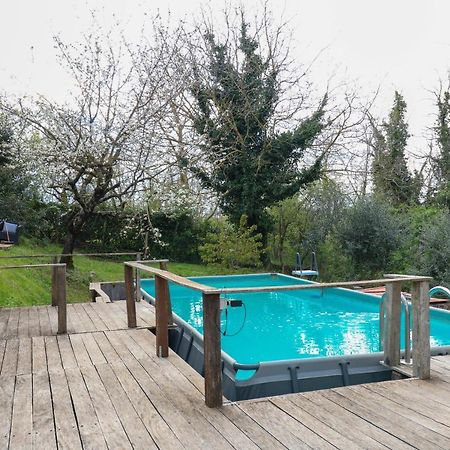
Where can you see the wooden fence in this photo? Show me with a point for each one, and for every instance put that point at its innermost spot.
(59, 289)
(211, 318)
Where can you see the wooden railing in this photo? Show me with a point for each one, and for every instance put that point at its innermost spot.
(55, 257)
(211, 318)
(59, 291)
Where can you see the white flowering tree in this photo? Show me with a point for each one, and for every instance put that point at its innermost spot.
(98, 149)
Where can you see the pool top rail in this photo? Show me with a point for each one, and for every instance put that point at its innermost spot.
(204, 289)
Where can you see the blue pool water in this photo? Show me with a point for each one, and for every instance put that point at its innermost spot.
(292, 324)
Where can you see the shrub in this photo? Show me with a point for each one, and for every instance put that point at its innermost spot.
(232, 246)
(368, 234)
(433, 258)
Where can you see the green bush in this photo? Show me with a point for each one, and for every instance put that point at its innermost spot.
(433, 257)
(368, 234)
(232, 246)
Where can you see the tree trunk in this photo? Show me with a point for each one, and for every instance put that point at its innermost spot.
(74, 224)
(69, 246)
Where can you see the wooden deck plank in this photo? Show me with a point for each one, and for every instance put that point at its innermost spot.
(4, 318)
(34, 328)
(97, 320)
(39, 355)
(166, 406)
(153, 422)
(380, 418)
(165, 375)
(10, 358)
(7, 385)
(44, 433)
(66, 351)
(194, 400)
(135, 429)
(52, 351)
(2, 352)
(67, 432)
(435, 406)
(23, 325)
(145, 313)
(87, 420)
(252, 429)
(147, 342)
(109, 420)
(13, 323)
(103, 313)
(24, 360)
(119, 346)
(86, 321)
(438, 432)
(354, 421)
(287, 430)
(106, 348)
(22, 422)
(53, 319)
(80, 352)
(338, 418)
(113, 310)
(44, 321)
(320, 427)
(74, 322)
(95, 354)
(125, 336)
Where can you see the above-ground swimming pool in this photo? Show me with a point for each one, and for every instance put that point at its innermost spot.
(288, 341)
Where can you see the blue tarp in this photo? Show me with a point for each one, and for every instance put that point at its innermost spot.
(9, 232)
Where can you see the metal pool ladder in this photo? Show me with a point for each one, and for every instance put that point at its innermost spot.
(407, 315)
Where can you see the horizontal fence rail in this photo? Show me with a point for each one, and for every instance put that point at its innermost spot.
(211, 318)
(59, 288)
(57, 255)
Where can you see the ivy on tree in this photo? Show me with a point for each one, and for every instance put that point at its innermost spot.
(442, 160)
(250, 164)
(392, 179)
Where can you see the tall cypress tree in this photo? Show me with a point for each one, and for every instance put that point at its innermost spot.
(391, 176)
(442, 161)
(250, 165)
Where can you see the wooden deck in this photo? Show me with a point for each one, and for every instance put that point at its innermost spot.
(101, 386)
(81, 318)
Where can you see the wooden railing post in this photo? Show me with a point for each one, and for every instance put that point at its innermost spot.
(54, 276)
(163, 266)
(60, 285)
(138, 279)
(130, 296)
(162, 316)
(391, 341)
(212, 350)
(421, 329)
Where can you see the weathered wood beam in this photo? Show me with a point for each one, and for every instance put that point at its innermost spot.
(130, 296)
(212, 350)
(61, 292)
(391, 341)
(421, 355)
(162, 317)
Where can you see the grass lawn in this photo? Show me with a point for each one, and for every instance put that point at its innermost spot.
(25, 287)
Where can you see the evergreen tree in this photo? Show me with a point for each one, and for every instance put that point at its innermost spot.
(392, 179)
(442, 162)
(250, 164)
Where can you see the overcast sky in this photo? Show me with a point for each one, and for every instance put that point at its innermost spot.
(395, 44)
